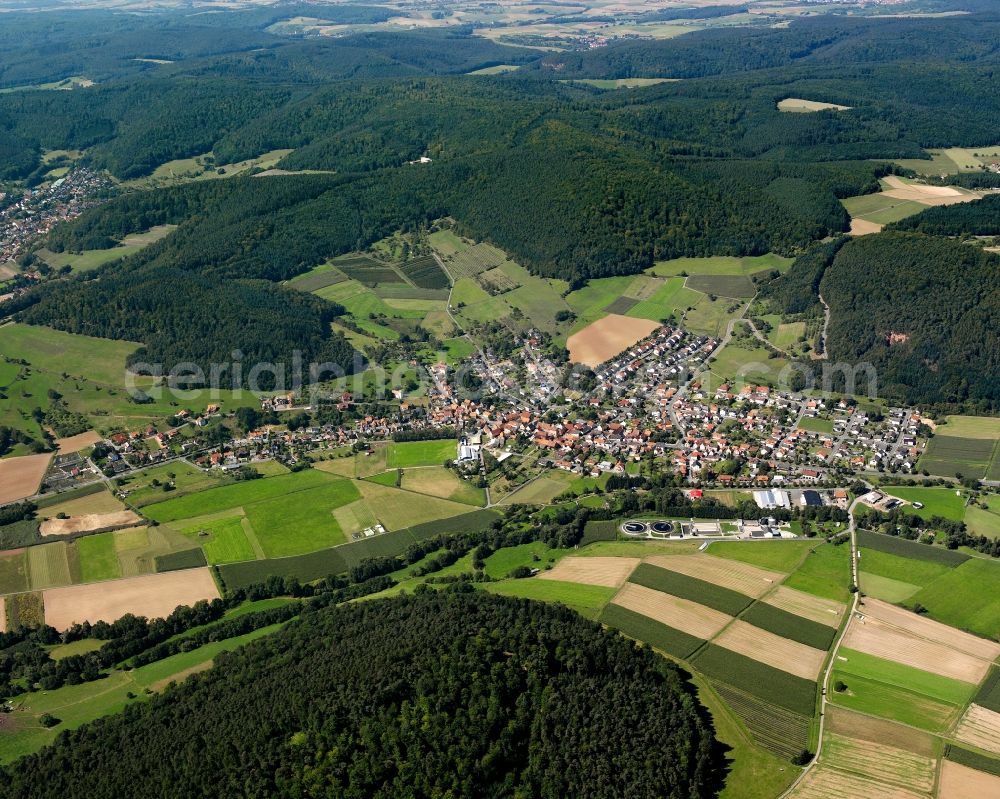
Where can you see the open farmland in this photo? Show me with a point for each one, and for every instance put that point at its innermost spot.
(686, 616)
(76, 443)
(692, 588)
(90, 522)
(798, 105)
(606, 338)
(772, 650)
(788, 625)
(587, 600)
(733, 575)
(962, 782)
(880, 762)
(670, 640)
(882, 640)
(758, 679)
(542, 490)
(958, 449)
(898, 692)
(606, 571)
(829, 783)
(967, 597)
(398, 509)
(20, 477)
(778, 730)
(779, 556)
(152, 595)
(817, 609)
(981, 728)
(421, 453)
(436, 481)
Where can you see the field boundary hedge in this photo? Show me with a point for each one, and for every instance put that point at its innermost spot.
(704, 593)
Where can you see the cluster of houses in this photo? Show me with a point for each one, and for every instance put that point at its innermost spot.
(38, 210)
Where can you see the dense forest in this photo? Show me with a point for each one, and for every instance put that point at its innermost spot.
(444, 693)
(924, 311)
(980, 218)
(575, 183)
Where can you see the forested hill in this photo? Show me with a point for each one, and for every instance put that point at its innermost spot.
(441, 694)
(980, 218)
(924, 311)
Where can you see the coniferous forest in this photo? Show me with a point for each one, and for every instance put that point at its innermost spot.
(452, 693)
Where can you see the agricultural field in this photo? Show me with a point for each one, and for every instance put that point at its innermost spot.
(78, 704)
(778, 556)
(796, 105)
(152, 595)
(223, 540)
(984, 520)
(967, 445)
(587, 600)
(959, 781)
(967, 597)
(92, 259)
(21, 477)
(735, 576)
(742, 363)
(895, 578)
(98, 558)
(689, 617)
(402, 455)
(318, 278)
(900, 198)
(946, 502)
(898, 692)
(397, 509)
(980, 727)
(542, 490)
(952, 160)
(604, 339)
(603, 571)
(705, 593)
(825, 573)
(436, 481)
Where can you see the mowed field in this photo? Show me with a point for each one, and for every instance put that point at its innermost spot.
(981, 728)
(967, 445)
(153, 596)
(20, 477)
(962, 782)
(605, 571)
(733, 575)
(604, 339)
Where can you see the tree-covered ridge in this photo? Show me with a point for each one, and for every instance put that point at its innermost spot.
(924, 311)
(980, 218)
(452, 693)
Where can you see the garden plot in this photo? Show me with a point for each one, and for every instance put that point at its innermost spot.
(688, 617)
(731, 574)
(591, 571)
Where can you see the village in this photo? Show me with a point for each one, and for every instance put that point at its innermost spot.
(24, 219)
(642, 407)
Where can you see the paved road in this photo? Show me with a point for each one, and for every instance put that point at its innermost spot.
(852, 527)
